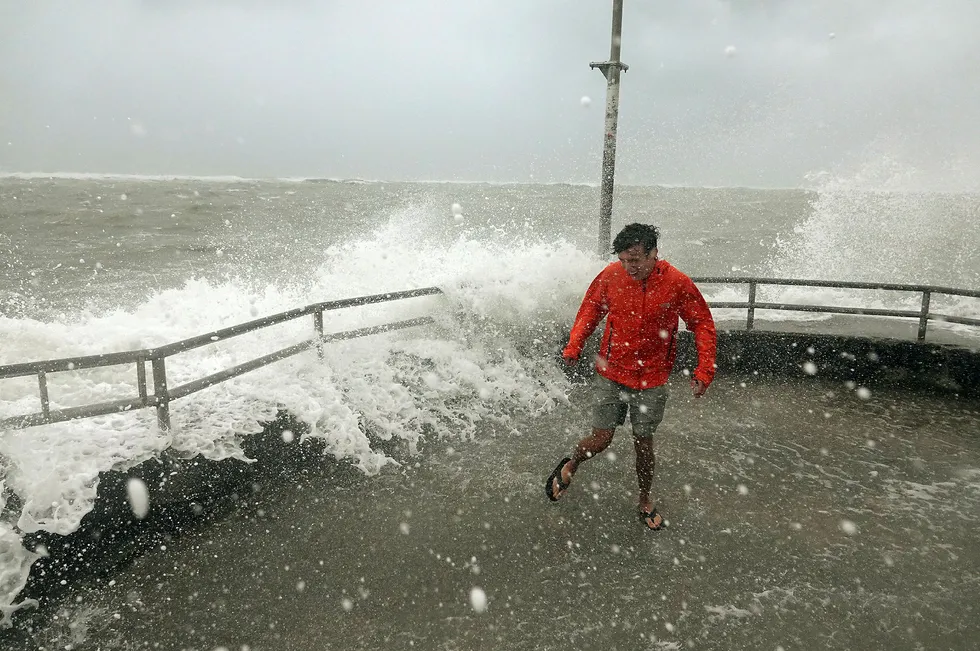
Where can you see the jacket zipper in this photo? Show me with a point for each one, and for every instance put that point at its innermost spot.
(670, 348)
(643, 305)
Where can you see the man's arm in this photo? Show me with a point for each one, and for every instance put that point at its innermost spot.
(589, 315)
(697, 317)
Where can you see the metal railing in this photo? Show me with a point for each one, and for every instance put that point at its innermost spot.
(157, 357)
(923, 314)
(162, 395)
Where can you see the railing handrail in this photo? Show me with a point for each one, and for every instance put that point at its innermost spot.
(924, 315)
(840, 284)
(166, 350)
(161, 396)
(148, 354)
(282, 317)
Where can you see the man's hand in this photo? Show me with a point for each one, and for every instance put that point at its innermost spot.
(698, 387)
(569, 361)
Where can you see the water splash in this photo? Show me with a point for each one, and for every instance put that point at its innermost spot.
(879, 225)
(487, 358)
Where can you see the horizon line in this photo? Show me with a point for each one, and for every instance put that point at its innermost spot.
(234, 178)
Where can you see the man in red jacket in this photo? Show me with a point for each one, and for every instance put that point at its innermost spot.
(641, 298)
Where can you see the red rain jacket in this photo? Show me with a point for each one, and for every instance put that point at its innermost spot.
(639, 344)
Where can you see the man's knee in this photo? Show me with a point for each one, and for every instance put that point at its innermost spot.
(643, 443)
(644, 431)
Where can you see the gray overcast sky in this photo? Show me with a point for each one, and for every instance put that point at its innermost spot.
(488, 89)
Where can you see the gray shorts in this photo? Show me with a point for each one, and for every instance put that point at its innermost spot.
(613, 400)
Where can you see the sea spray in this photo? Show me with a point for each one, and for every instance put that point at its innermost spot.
(488, 357)
(882, 223)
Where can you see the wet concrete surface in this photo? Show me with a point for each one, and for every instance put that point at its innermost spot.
(802, 514)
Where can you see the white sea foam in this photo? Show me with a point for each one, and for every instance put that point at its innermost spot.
(440, 380)
(726, 611)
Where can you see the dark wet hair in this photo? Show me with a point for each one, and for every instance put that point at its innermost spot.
(636, 234)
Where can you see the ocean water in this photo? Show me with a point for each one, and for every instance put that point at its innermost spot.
(100, 264)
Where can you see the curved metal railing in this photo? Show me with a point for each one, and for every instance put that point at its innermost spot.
(157, 357)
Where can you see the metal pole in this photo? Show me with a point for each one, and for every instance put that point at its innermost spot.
(611, 70)
(924, 316)
(318, 326)
(42, 385)
(141, 377)
(160, 393)
(750, 319)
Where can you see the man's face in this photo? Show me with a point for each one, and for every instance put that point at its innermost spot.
(638, 264)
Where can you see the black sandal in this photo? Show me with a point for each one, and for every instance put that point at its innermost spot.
(556, 476)
(651, 515)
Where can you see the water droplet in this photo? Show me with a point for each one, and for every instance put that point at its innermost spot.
(478, 599)
(139, 497)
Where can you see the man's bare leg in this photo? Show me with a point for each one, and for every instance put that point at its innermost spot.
(587, 448)
(646, 461)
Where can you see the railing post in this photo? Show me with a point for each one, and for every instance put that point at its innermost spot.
(924, 314)
(750, 319)
(42, 385)
(160, 391)
(141, 378)
(318, 326)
